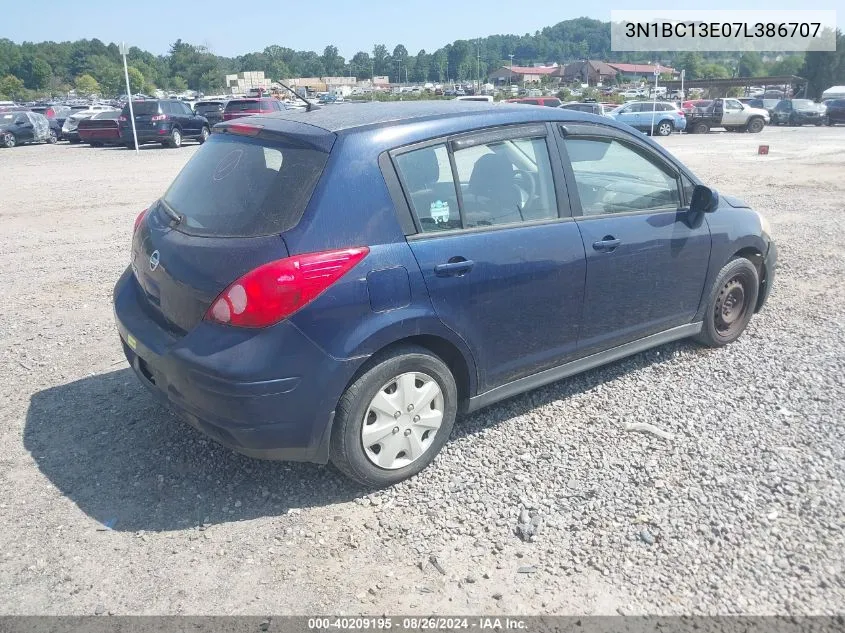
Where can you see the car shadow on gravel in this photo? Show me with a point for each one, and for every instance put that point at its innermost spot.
(132, 465)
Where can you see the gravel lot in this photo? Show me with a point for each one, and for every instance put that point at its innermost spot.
(742, 512)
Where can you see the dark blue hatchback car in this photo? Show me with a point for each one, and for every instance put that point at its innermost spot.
(340, 284)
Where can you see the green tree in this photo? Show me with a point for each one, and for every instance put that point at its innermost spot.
(177, 83)
(36, 73)
(87, 85)
(136, 80)
(381, 59)
(750, 65)
(823, 69)
(12, 88)
(714, 71)
(333, 63)
(361, 65)
(790, 65)
(691, 63)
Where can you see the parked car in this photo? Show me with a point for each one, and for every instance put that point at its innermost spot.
(663, 117)
(165, 121)
(314, 288)
(71, 123)
(551, 102)
(835, 111)
(100, 129)
(247, 107)
(211, 110)
(730, 114)
(592, 108)
(766, 104)
(20, 128)
(799, 112)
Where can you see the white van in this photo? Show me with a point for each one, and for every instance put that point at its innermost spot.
(834, 92)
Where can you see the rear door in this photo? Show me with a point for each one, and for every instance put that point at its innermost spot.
(501, 257)
(647, 255)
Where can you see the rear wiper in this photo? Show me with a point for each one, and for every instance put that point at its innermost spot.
(173, 215)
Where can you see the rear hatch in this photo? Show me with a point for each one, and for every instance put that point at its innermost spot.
(147, 114)
(241, 107)
(234, 199)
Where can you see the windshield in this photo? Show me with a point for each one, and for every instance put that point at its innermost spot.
(242, 105)
(237, 186)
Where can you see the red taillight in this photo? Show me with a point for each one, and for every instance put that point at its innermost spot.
(158, 117)
(139, 219)
(244, 129)
(276, 290)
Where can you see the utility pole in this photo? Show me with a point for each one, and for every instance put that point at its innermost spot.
(478, 65)
(510, 75)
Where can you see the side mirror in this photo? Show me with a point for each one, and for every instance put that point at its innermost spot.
(704, 199)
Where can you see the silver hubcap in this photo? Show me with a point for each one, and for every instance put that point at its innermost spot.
(402, 420)
(665, 129)
(177, 138)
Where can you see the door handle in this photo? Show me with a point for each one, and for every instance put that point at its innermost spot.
(607, 244)
(455, 267)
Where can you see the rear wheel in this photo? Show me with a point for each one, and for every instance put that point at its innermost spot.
(755, 125)
(9, 140)
(665, 128)
(701, 128)
(731, 303)
(393, 420)
(53, 138)
(175, 139)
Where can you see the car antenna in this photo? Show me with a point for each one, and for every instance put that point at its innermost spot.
(308, 105)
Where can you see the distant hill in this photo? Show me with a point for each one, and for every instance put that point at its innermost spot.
(28, 70)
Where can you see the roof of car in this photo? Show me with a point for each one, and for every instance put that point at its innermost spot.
(346, 117)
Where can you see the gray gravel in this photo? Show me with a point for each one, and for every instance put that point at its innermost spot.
(543, 504)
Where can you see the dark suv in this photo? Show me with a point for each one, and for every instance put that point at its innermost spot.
(165, 121)
(211, 110)
(247, 107)
(315, 286)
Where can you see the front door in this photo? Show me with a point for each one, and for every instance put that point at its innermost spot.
(647, 255)
(734, 113)
(504, 267)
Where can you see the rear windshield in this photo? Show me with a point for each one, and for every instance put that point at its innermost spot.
(142, 107)
(208, 105)
(242, 187)
(240, 106)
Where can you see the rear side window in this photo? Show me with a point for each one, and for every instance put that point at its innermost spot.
(502, 182)
(243, 187)
(242, 106)
(142, 107)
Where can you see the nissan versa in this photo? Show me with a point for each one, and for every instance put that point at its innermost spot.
(331, 285)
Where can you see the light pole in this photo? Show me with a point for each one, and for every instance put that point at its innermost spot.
(129, 94)
(510, 75)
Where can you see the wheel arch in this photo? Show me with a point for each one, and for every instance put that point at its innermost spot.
(461, 366)
(753, 254)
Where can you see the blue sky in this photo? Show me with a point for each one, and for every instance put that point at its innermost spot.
(232, 28)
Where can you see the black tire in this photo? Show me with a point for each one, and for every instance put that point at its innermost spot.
(8, 140)
(204, 134)
(664, 128)
(700, 128)
(346, 448)
(95, 144)
(52, 138)
(730, 304)
(755, 125)
(175, 139)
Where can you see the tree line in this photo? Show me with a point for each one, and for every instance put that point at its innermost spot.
(30, 70)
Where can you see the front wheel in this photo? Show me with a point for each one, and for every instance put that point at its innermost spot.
(52, 138)
(664, 128)
(9, 140)
(393, 420)
(730, 304)
(204, 134)
(755, 125)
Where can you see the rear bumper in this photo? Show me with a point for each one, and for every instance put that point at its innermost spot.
(268, 393)
(146, 136)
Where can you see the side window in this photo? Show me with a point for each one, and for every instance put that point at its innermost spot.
(186, 109)
(732, 104)
(427, 177)
(637, 107)
(505, 182)
(687, 185)
(614, 178)
(166, 107)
